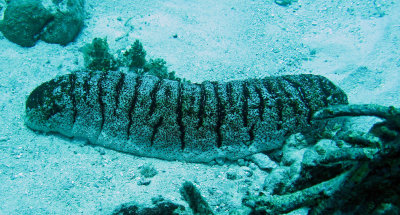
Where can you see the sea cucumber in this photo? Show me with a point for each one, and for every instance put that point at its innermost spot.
(172, 120)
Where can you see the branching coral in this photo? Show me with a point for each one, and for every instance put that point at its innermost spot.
(98, 58)
(340, 176)
(134, 57)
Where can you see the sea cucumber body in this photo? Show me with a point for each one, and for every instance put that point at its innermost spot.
(172, 120)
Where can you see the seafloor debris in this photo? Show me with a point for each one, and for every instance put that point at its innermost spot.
(161, 206)
(190, 194)
(338, 176)
(193, 197)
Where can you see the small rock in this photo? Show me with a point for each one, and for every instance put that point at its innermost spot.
(250, 203)
(212, 163)
(161, 206)
(276, 181)
(242, 162)
(212, 190)
(253, 166)
(66, 24)
(194, 198)
(68, 185)
(101, 151)
(231, 175)
(148, 170)
(263, 161)
(320, 150)
(15, 176)
(245, 171)
(248, 182)
(243, 187)
(26, 21)
(386, 208)
(19, 26)
(107, 177)
(220, 161)
(143, 181)
(297, 141)
(284, 2)
(4, 138)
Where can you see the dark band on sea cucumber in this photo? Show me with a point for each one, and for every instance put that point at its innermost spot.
(153, 96)
(179, 113)
(220, 114)
(71, 92)
(155, 130)
(202, 104)
(86, 85)
(103, 77)
(302, 96)
(279, 103)
(118, 89)
(245, 105)
(261, 105)
(229, 93)
(138, 82)
(251, 134)
(292, 103)
(323, 86)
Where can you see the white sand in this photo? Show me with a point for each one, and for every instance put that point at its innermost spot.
(356, 45)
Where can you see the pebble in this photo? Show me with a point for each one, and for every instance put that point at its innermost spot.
(4, 138)
(241, 162)
(68, 185)
(101, 151)
(148, 170)
(253, 166)
(231, 175)
(220, 161)
(284, 2)
(248, 182)
(250, 203)
(246, 171)
(143, 181)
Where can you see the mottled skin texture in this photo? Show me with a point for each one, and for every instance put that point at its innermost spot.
(148, 116)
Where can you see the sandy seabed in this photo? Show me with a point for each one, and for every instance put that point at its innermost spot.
(353, 43)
